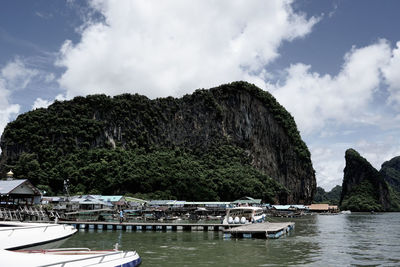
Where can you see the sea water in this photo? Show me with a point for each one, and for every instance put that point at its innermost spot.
(317, 240)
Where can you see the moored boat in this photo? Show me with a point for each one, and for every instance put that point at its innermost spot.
(244, 215)
(345, 212)
(17, 235)
(71, 257)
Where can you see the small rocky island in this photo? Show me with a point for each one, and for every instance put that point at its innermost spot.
(366, 189)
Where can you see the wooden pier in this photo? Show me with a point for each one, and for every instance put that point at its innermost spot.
(142, 226)
(261, 230)
(257, 230)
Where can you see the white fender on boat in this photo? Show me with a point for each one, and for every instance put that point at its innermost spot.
(237, 220)
(230, 220)
(243, 220)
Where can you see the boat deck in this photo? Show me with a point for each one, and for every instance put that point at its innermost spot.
(261, 230)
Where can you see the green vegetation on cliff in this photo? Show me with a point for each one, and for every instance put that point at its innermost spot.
(188, 148)
(363, 197)
(391, 173)
(222, 174)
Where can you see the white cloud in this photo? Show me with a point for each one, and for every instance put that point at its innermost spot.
(341, 111)
(49, 77)
(7, 110)
(392, 76)
(41, 103)
(159, 48)
(329, 158)
(318, 100)
(61, 97)
(44, 15)
(16, 75)
(328, 161)
(377, 152)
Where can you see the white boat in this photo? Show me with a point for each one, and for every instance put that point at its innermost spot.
(73, 257)
(244, 215)
(17, 235)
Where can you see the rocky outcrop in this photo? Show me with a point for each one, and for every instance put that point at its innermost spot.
(390, 171)
(238, 114)
(363, 187)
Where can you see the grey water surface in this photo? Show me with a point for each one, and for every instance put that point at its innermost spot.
(357, 239)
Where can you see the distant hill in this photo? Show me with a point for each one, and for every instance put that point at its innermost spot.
(364, 188)
(332, 197)
(218, 144)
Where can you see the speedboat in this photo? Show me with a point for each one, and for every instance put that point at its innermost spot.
(15, 235)
(18, 235)
(244, 215)
(71, 257)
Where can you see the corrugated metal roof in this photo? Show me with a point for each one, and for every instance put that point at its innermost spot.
(214, 203)
(183, 202)
(319, 207)
(300, 207)
(91, 201)
(133, 199)
(250, 201)
(7, 186)
(111, 198)
(161, 202)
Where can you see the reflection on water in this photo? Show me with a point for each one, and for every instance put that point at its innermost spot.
(339, 240)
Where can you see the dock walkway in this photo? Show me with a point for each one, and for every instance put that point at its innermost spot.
(257, 230)
(147, 226)
(261, 230)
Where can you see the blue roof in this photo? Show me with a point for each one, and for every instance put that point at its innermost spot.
(111, 198)
(90, 201)
(248, 200)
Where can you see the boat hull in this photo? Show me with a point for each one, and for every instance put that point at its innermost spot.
(69, 258)
(24, 235)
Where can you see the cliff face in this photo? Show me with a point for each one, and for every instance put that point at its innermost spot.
(363, 187)
(237, 114)
(390, 171)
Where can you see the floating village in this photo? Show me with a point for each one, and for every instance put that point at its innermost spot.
(28, 218)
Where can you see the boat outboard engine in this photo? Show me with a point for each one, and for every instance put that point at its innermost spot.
(230, 220)
(243, 220)
(237, 220)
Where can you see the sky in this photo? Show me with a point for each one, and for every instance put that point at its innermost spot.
(334, 65)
